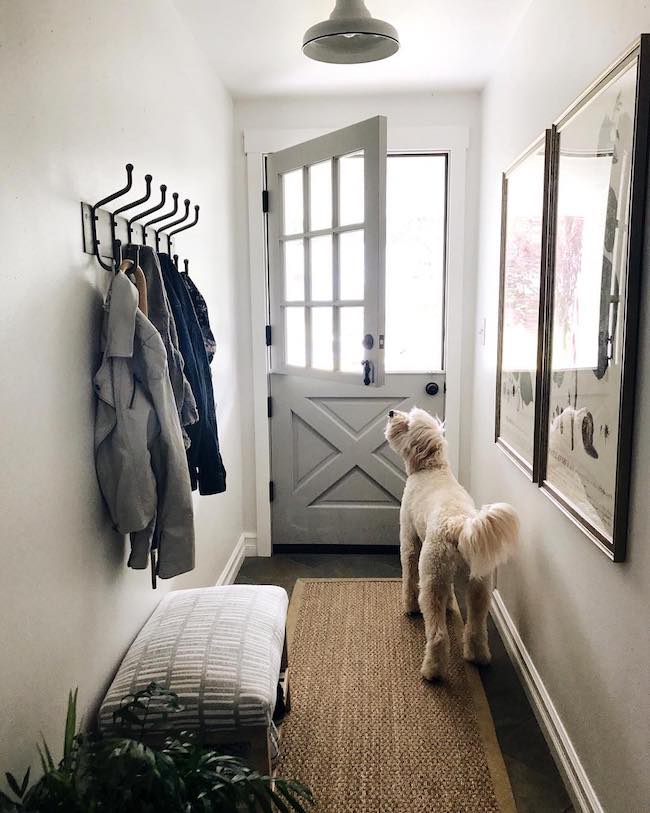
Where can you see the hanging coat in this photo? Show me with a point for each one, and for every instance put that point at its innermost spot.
(159, 314)
(201, 310)
(139, 453)
(203, 457)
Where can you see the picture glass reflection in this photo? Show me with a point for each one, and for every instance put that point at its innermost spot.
(521, 289)
(590, 271)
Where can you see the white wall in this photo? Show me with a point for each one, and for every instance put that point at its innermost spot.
(583, 619)
(87, 87)
(329, 112)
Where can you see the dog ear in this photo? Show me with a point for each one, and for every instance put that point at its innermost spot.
(426, 445)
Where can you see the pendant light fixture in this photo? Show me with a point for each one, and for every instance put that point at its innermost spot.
(350, 35)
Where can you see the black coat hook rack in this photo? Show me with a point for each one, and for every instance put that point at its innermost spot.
(104, 231)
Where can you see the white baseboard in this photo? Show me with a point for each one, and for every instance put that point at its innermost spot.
(575, 778)
(246, 546)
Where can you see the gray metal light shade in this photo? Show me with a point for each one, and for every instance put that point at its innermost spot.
(350, 35)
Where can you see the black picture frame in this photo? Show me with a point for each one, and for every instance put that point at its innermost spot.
(612, 544)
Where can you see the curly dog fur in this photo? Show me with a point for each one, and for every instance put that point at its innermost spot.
(440, 529)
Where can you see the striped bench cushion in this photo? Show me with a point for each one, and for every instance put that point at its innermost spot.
(218, 648)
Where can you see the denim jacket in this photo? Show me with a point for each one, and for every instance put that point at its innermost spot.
(203, 457)
(139, 451)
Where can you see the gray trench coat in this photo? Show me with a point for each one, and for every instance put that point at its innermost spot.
(139, 451)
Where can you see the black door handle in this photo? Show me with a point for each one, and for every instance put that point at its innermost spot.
(432, 388)
(366, 372)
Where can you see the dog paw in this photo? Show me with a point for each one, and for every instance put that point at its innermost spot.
(476, 651)
(411, 607)
(432, 670)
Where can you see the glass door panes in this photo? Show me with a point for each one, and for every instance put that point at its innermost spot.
(416, 201)
(326, 238)
(324, 263)
(320, 195)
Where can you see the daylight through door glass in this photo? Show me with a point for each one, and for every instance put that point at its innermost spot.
(416, 200)
(292, 202)
(323, 255)
(351, 189)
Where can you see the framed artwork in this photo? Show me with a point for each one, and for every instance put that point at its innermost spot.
(590, 299)
(524, 225)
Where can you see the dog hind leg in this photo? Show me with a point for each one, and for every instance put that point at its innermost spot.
(409, 551)
(475, 638)
(437, 566)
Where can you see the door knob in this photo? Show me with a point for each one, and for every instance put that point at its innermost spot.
(432, 388)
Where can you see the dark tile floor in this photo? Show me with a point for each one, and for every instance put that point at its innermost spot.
(535, 780)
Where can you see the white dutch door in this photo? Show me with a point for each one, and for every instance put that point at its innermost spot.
(356, 243)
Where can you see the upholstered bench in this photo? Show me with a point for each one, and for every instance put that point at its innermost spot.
(221, 650)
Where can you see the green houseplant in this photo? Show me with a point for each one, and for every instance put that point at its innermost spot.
(100, 773)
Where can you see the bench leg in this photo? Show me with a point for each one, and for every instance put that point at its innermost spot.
(284, 667)
(259, 757)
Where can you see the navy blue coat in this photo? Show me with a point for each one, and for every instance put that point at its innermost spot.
(203, 456)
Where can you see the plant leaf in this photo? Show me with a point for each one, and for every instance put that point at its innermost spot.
(48, 755)
(70, 725)
(13, 784)
(25, 783)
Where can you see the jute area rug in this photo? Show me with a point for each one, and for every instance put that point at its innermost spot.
(365, 732)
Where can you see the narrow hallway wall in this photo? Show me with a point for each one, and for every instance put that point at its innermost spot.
(87, 87)
(583, 620)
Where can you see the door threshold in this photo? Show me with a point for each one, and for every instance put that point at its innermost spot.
(392, 550)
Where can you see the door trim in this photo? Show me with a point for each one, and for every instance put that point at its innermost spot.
(257, 143)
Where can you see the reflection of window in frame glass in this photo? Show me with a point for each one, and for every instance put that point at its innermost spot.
(586, 427)
(524, 246)
(416, 261)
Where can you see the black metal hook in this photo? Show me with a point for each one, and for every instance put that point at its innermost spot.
(175, 259)
(147, 195)
(166, 215)
(186, 214)
(173, 223)
(163, 197)
(117, 253)
(102, 202)
(186, 263)
(188, 226)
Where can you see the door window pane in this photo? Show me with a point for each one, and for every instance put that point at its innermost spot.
(351, 320)
(295, 336)
(321, 267)
(415, 262)
(351, 263)
(320, 196)
(294, 271)
(292, 202)
(322, 355)
(351, 191)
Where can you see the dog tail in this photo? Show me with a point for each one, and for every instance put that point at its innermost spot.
(489, 538)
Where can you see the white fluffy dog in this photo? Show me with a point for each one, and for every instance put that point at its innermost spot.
(440, 528)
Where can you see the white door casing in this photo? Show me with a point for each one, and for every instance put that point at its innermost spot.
(450, 140)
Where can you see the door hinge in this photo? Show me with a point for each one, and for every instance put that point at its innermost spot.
(265, 201)
(268, 335)
(271, 490)
(269, 407)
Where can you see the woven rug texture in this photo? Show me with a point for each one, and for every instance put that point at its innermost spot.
(365, 732)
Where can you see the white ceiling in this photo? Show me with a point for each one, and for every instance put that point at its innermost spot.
(255, 45)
